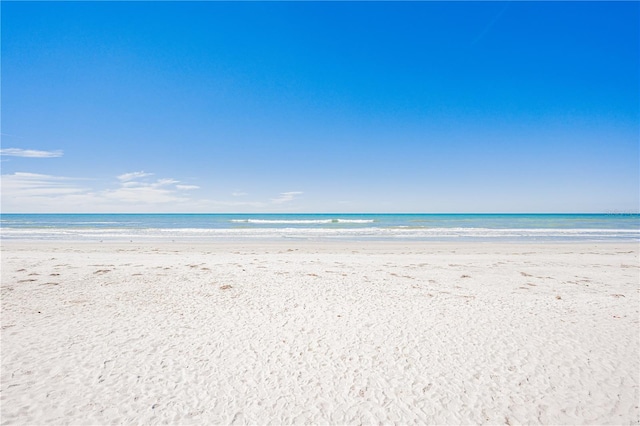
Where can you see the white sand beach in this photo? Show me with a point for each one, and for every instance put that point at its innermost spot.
(320, 333)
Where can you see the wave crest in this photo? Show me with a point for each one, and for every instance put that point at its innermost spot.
(300, 221)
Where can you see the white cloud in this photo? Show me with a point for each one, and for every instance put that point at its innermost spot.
(239, 194)
(143, 195)
(134, 190)
(187, 187)
(285, 197)
(30, 153)
(133, 175)
(32, 192)
(126, 193)
(37, 185)
(164, 182)
(131, 184)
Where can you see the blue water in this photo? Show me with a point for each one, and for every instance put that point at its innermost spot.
(212, 227)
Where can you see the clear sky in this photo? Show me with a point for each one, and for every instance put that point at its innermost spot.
(320, 107)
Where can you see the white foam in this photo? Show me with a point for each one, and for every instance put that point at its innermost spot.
(319, 232)
(300, 221)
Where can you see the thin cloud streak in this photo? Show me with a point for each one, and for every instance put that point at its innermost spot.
(489, 25)
(30, 153)
(187, 187)
(128, 193)
(133, 175)
(37, 185)
(285, 197)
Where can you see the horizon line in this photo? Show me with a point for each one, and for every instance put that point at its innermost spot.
(608, 212)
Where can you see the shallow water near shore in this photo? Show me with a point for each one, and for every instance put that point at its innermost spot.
(427, 227)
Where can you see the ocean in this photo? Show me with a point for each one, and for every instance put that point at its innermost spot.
(225, 227)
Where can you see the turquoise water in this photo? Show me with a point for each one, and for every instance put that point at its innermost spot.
(530, 227)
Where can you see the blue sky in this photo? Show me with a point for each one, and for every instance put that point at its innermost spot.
(320, 107)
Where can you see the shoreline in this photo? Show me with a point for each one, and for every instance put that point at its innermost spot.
(275, 241)
(317, 243)
(324, 227)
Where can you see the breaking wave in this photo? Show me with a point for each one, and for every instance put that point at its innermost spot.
(300, 221)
